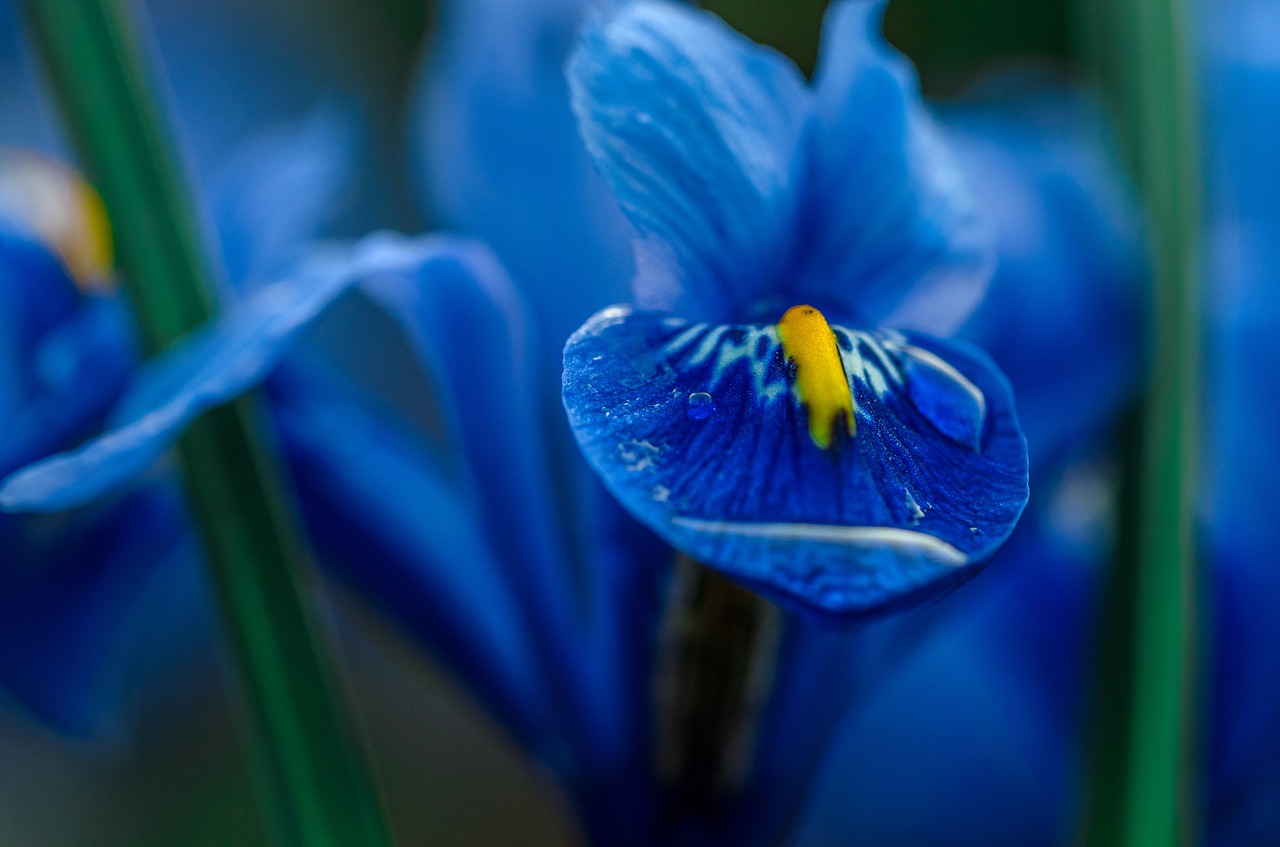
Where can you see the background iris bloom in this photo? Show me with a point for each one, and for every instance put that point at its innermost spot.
(79, 588)
(1242, 97)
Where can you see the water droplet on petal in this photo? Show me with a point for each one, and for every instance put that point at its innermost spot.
(701, 406)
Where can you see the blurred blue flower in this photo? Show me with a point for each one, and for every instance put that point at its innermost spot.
(65, 357)
(81, 587)
(498, 153)
(1241, 46)
(845, 466)
(1063, 316)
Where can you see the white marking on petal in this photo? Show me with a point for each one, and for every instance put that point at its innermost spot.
(917, 513)
(685, 338)
(637, 455)
(902, 540)
(727, 353)
(951, 373)
(708, 346)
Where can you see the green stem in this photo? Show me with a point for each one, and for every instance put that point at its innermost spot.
(717, 651)
(315, 787)
(1142, 782)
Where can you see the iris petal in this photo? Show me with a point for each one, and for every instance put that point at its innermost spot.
(1069, 248)
(469, 328)
(36, 294)
(79, 370)
(214, 366)
(277, 191)
(375, 494)
(81, 597)
(930, 482)
(498, 155)
(894, 210)
(696, 129)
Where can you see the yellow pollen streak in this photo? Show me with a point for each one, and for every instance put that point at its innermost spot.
(93, 259)
(63, 210)
(821, 383)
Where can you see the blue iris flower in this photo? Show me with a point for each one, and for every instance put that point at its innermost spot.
(1060, 321)
(546, 605)
(752, 407)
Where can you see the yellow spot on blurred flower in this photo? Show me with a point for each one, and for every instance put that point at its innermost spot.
(822, 386)
(62, 210)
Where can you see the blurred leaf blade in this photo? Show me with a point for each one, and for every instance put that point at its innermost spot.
(1141, 791)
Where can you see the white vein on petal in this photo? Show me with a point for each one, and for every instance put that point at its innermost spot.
(903, 540)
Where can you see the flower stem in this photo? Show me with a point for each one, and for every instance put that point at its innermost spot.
(1141, 792)
(314, 785)
(717, 654)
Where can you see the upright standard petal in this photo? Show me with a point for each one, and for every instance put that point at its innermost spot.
(896, 238)
(214, 366)
(736, 445)
(697, 130)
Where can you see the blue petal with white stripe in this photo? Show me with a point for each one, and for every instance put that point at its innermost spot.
(703, 434)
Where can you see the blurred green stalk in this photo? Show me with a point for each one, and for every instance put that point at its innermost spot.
(1142, 791)
(315, 787)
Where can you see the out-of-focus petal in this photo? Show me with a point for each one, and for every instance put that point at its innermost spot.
(385, 515)
(214, 366)
(78, 591)
(468, 326)
(36, 294)
(697, 130)
(1241, 456)
(75, 375)
(277, 191)
(469, 329)
(498, 156)
(701, 432)
(1063, 319)
(897, 237)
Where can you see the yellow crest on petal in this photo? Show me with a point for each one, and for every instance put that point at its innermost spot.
(822, 386)
(63, 210)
